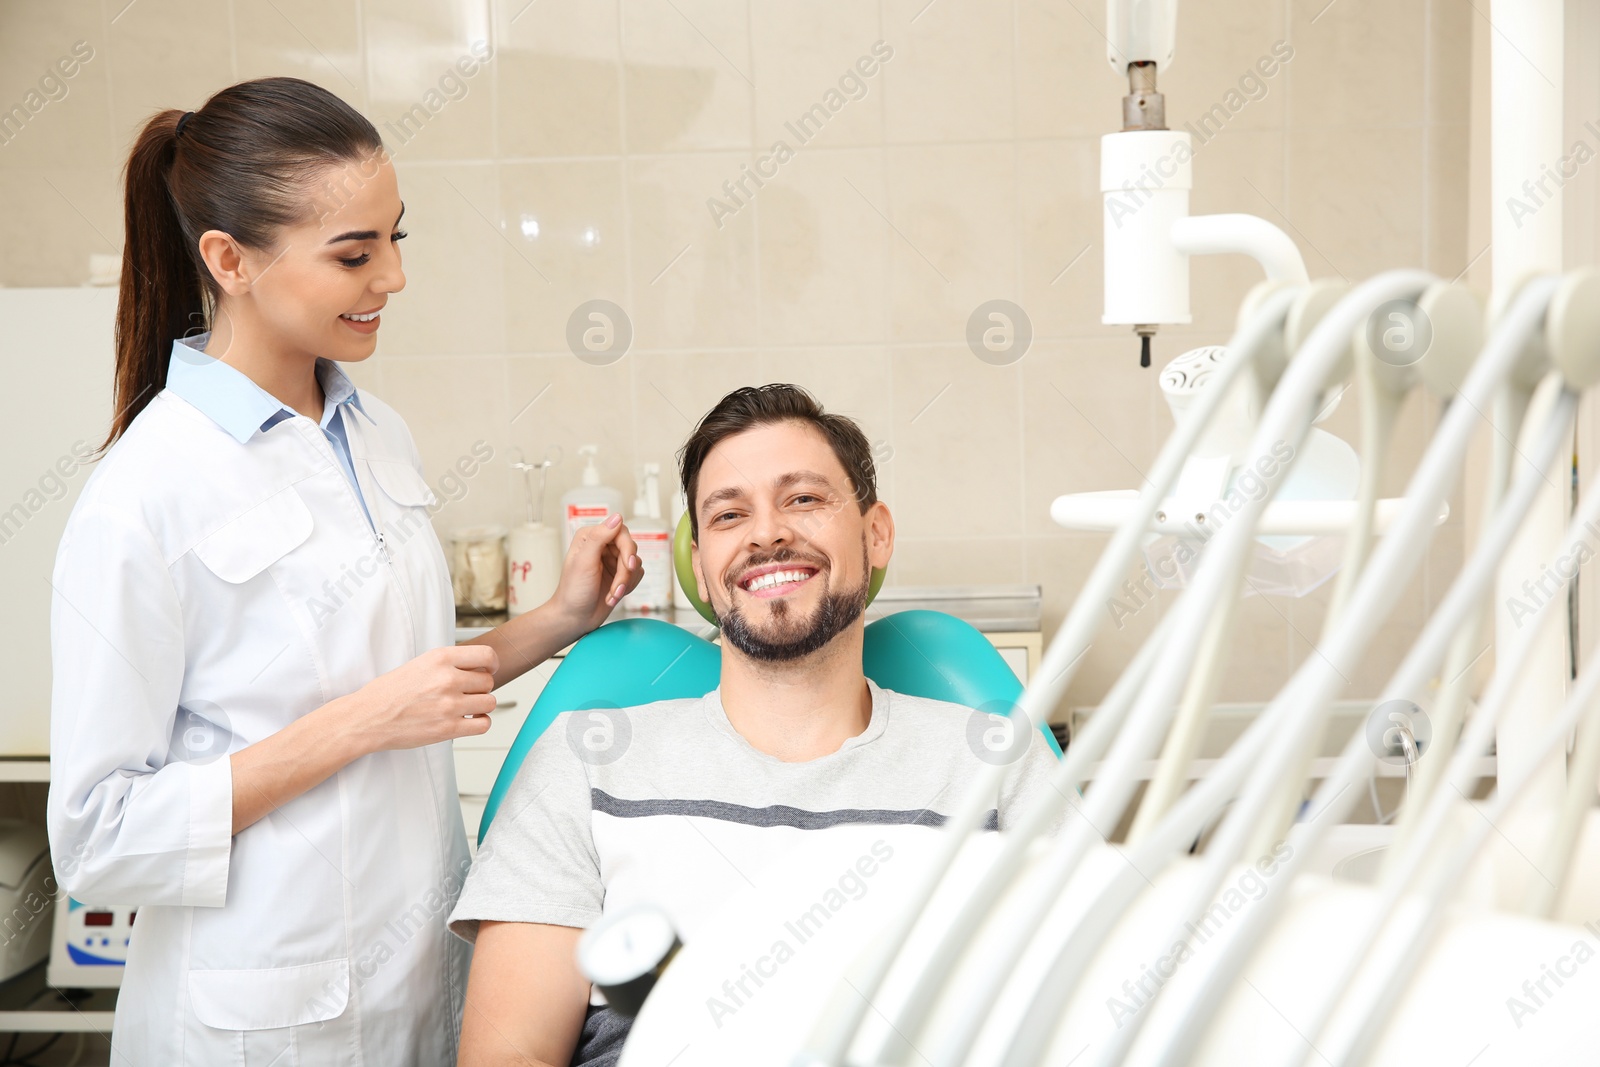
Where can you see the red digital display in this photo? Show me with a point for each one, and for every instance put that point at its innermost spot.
(97, 918)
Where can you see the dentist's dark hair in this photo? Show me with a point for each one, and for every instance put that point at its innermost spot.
(757, 405)
(246, 164)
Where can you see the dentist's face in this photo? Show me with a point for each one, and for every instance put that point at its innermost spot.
(784, 553)
(324, 275)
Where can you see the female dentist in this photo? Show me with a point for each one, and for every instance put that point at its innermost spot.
(255, 675)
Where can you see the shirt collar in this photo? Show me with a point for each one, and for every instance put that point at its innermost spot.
(711, 704)
(230, 399)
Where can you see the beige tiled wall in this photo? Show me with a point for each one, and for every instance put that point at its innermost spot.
(579, 165)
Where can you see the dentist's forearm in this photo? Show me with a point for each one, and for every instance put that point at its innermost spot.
(276, 769)
(527, 640)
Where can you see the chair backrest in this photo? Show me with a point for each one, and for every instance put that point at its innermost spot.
(639, 661)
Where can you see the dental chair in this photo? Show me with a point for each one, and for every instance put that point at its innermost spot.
(637, 661)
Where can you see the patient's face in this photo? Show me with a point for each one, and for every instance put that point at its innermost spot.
(784, 553)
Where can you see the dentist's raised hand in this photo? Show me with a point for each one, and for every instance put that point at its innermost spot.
(602, 566)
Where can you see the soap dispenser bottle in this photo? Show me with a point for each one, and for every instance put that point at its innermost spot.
(588, 504)
(650, 532)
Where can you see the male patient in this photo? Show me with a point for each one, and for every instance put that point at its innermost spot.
(795, 738)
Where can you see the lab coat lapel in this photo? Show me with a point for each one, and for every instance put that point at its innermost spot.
(359, 432)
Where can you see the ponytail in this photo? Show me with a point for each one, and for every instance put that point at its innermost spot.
(160, 295)
(244, 164)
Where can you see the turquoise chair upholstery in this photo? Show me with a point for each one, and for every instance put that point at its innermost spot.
(639, 661)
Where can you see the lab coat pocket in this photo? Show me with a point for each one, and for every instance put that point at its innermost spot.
(264, 998)
(404, 504)
(245, 546)
(402, 483)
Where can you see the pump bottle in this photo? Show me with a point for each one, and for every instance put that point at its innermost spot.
(654, 591)
(587, 504)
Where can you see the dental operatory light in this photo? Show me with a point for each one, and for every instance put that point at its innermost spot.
(1139, 46)
(1143, 109)
(1145, 178)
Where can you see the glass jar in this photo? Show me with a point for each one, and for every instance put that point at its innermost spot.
(478, 568)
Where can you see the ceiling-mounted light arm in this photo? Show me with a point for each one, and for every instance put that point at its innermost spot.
(1249, 235)
(1145, 178)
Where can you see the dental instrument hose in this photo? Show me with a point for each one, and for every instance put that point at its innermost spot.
(1288, 413)
(1330, 803)
(1225, 968)
(1080, 836)
(1395, 558)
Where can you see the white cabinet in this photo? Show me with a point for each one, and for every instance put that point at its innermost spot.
(1017, 660)
(1021, 649)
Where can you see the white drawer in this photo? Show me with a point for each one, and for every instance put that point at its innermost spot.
(504, 724)
(476, 769)
(1017, 660)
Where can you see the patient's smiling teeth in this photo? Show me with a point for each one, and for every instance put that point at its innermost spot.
(773, 578)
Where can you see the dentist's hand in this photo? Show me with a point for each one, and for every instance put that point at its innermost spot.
(602, 566)
(442, 694)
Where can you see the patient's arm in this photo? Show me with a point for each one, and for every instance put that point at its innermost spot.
(526, 1000)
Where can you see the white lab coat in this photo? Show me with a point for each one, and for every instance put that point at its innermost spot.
(208, 593)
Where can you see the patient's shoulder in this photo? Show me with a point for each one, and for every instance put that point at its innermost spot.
(676, 707)
(923, 724)
(582, 726)
(664, 718)
(906, 704)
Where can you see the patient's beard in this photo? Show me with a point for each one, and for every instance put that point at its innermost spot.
(791, 639)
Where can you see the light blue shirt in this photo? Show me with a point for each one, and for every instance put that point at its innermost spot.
(243, 408)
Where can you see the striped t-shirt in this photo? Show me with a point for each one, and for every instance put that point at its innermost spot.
(668, 804)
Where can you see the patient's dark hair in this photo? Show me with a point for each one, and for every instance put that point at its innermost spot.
(757, 405)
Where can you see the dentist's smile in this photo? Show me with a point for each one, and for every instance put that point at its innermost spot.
(361, 321)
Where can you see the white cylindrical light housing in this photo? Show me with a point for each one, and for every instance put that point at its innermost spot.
(1145, 177)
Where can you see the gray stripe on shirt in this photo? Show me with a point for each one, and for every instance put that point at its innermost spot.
(773, 815)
